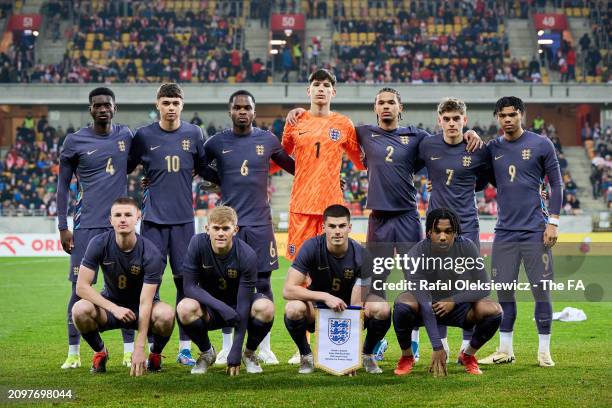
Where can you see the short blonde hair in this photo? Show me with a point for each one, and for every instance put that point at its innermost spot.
(452, 105)
(222, 214)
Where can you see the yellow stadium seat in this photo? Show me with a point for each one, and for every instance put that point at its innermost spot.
(138, 62)
(362, 37)
(87, 54)
(95, 54)
(371, 37)
(90, 37)
(106, 45)
(89, 45)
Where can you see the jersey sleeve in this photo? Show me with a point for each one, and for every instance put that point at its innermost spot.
(67, 167)
(280, 156)
(153, 265)
(94, 253)
(553, 172)
(351, 145)
(135, 156)
(202, 162)
(304, 261)
(289, 135)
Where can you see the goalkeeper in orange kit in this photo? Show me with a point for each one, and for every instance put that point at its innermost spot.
(317, 142)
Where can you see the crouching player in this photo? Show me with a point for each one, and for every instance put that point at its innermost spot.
(333, 264)
(219, 273)
(132, 268)
(431, 304)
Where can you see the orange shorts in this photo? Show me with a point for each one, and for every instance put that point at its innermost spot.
(301, 228)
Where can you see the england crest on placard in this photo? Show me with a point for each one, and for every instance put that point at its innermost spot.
(339, 331)
(334, 134)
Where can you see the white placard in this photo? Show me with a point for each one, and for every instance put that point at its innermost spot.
(338, 340)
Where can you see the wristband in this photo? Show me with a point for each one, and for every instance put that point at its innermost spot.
(553, 221)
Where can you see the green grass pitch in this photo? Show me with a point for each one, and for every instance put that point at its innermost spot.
(33, 296)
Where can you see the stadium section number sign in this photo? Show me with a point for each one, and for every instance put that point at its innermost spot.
(338, 340)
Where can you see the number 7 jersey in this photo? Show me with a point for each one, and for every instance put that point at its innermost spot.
(317, 145)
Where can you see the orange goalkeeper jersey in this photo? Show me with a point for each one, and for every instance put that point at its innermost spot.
(317, 144)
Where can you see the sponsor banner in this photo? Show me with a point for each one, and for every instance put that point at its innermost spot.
(24, 22)
(281, 22)
(31, 245)
(550, 21)
(338, 340)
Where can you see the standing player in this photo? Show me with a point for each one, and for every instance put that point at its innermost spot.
(316, 140)
(132, 270)
(220, 273)
(170, 151)
(392, 158)
(97, 155)
(241, 156)
(447, 307)
(455, 175)
(525, 230)
(335, 266)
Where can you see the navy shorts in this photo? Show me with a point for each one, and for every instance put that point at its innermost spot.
(81, 238)
(261, 239)
(455, 318)
(113, 323)
(473, 236)
(394, 227)
(171, 240)
(512, 247)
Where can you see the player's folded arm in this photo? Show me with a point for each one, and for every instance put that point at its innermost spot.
(193, 290)
(246, 290)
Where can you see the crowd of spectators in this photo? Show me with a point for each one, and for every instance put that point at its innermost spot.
(138, 41)
(433, 41)
(598, 143)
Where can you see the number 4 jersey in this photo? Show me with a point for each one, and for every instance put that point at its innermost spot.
(99, 163)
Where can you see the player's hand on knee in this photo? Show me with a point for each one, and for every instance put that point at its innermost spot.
(336, 304)
(438, 363)
(124, 314)
(443, 308)
(66, 240)
(474, 142)
(294, 115)
(233, 370)
(138, 363)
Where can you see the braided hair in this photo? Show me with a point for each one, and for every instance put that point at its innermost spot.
(442, 213)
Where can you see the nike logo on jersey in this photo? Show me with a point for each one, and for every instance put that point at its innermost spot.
(92, 152)
(375, 135)
(206, 266)
(499, 157)
(225, 151)
(322, 268)
(154, 147)
(108, 263)
(434, 158)
(274, 261)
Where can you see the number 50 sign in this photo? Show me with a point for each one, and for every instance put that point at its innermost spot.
(281, 22)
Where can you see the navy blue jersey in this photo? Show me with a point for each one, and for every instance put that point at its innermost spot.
(436, 267)
(519, 167)
(100, 165)
(327, 272)
(124, 272)
(224, 284)
(392, 160)
(221, 277)
(454, 173)
(242, 163)
(169, 160)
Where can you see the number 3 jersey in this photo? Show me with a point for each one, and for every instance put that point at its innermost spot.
(124, 272)
(520, 167)
(169, 160)
(100, 163)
